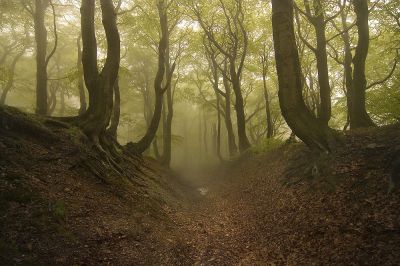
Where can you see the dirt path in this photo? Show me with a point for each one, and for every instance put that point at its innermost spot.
(250, 217)
(221, 227)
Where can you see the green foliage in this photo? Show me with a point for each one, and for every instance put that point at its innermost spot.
(267, 145)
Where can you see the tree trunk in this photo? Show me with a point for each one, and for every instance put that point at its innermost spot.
(116, 111)
(358, 115)
(100, 85)
(62, 102)
(167, 133)
(299, 118)
(323, 74)
(81, 88)
(205, 132)
(41, 48)
(270, 128)
(244, 142)
(212, 60)
(228, 120)
(218, 140)
(348, 70)
(143, 144)
(52, 100)
(10, 79)
(155, 149)
(318, 21)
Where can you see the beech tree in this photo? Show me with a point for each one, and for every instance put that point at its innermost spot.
(81, 88)
(357, 112)
(315, 14)
(38, 12)
(100, 84)
(144, 143)
(235, 51)
(216, 68)
(315, 134)
(224, 65)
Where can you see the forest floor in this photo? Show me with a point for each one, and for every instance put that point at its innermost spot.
(263, 209)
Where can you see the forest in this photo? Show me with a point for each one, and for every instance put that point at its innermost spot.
(190, 132)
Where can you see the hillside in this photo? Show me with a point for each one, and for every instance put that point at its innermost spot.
(61, 203)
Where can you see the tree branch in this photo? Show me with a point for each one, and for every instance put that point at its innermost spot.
(373, 84)
(55, 34)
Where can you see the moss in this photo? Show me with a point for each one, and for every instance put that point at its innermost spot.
(76, 135)
(59, 210)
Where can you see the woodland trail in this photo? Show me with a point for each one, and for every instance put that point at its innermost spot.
(224, 227)
(254, 215)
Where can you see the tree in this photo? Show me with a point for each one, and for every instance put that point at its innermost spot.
(215, 69)
(235, 50)
(358, 113)
(315, 134)
(264, 63)
(319, 21)
(41, 47)
(100, 85)
(144, 143)
(42, 59)
(81, 88)
(10, 71)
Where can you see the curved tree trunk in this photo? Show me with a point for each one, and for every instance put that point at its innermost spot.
(358, 114)
(144, 143)
(303, 123)
(11, 74)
